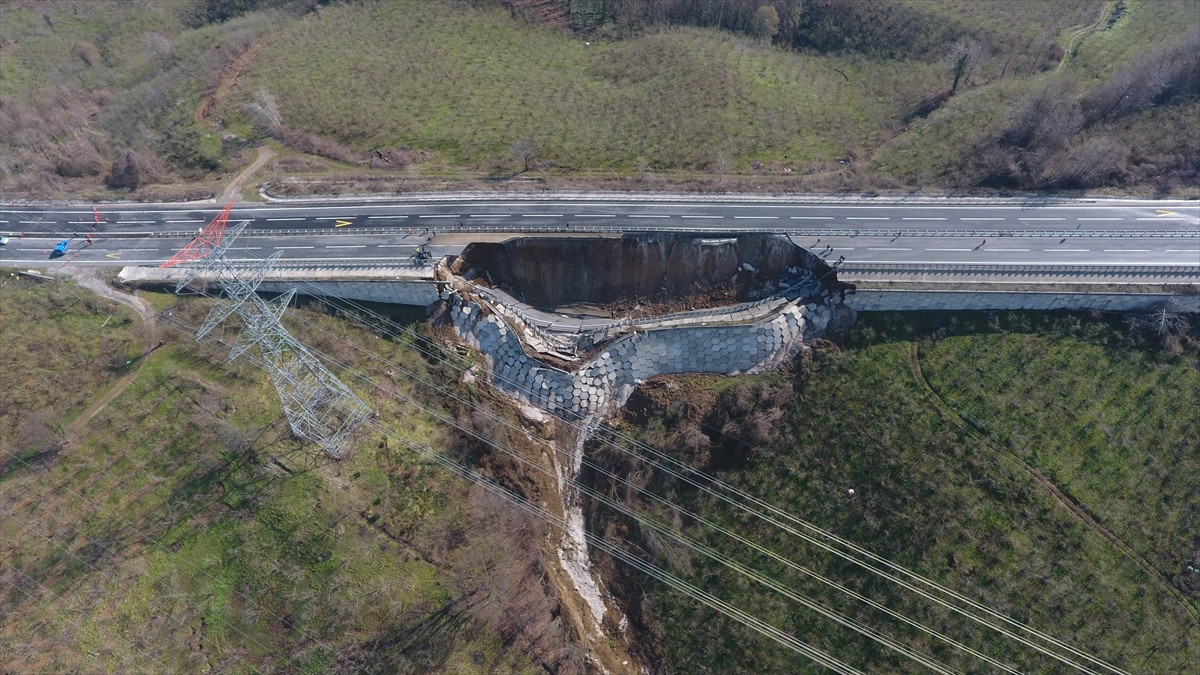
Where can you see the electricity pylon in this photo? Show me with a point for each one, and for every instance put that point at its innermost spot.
(317, 405)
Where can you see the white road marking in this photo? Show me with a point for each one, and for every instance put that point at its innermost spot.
(970, 218)
(374, 217)
(1089, 219)
(848, 248)
(282, 219)
(288, 247)
(703, 216)
(491, 215)
(1126, 250)
(1164, 218)
(453, 215)
(36, 222)
(1009, 250)
(756, 217)
(812, 217)
(865, 218)
(541, 215)
(339, 218)
(596, 215)
(394, 246)
(1183, 250)
(646, 215)
(946, 249)
(1071, 250)
(922, 219)
(346, 246)
(889, 249)
(1040, 219)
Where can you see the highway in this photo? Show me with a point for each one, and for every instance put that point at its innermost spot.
(868, 234)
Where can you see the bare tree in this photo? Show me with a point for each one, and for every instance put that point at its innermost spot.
(159, 47)
(265, 110)
(964, 57)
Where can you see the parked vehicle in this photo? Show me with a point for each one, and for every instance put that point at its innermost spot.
(60, 248)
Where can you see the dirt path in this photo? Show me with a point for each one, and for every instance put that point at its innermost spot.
(1066, 500)
(87, 278)
(234, 189)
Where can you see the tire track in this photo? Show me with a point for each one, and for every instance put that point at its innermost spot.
(1062, 497)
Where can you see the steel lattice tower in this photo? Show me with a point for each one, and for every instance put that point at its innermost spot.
(318, 406)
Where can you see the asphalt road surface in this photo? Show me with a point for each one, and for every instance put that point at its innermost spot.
(869, 234)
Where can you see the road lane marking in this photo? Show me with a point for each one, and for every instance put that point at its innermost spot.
(453, 215)
(346, 246)
(290, 247)
(866, 218)
(647, 215)
(922, 219)
(703, 216)
(541, 215)
(491, 215)
(1126, 250)
(1040, 219)
(971, 218)
(595, 215)
(1164, 218)
(342, 223)
(1066, 250)
(812, 217)
(945, 249)
(756, 217)
(889, 249)
(1091, 219)
(394, 245)
(282, 219)
(114, 256)
(1008, 250)
(36, 222)
(1162, 213)
(835, 248)
(1170, 250)
(378, 217)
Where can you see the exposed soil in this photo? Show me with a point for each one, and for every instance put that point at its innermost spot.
(672, 272)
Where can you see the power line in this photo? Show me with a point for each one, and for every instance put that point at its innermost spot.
(832, 537)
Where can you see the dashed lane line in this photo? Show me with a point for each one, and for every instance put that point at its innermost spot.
(1126, 250)
(1039, 219)
(283, 219)
(346, 246)
(290, 247)
(491, 215)
(923, 219)
(596, 215)
(889, 249)
(867, 218)
(541, 215)
(452, 215)
(811, 217)
(756, 217)
(946, 249)
(647, 215)
(703, 216)
(1009, 250)
(1099, 219)
(970, 218)
(1067, 250)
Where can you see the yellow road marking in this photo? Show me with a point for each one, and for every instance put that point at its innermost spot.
(1162, 213)
(343, 223)
(113, 255)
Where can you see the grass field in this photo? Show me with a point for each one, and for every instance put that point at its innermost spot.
(470, 83)
(409, 89)
(1043, 465)
(185, 529)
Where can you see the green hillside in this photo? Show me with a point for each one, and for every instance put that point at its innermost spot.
(845, 94)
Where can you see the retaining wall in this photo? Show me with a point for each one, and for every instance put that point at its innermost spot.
(419, 293)
(884, 300)
(606, 381)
